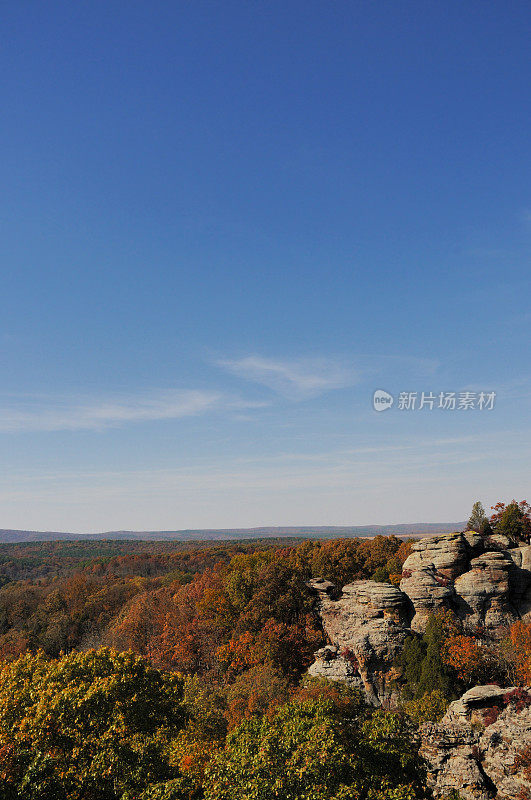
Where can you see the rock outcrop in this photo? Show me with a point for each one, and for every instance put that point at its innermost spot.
(484, 583)
(482, 745)
(479, 747)
(367, 626)
(483, 593)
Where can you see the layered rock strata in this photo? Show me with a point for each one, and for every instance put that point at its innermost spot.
(478, 753)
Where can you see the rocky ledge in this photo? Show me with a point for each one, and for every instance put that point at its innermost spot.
(367, 626)
(481, 746)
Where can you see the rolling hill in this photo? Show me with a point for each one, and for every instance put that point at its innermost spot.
(231, 534)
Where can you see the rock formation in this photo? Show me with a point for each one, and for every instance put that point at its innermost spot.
(484, 583)
(367, 626)
(479, 747)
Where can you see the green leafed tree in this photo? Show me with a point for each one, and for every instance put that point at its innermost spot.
(411, 658)
(435, 675)
(308, 750)
(86, 726)
(428, 684)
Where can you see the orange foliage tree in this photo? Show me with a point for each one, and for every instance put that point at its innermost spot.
(465, 656)
(517, 647)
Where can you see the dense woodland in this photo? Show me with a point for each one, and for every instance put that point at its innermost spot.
(171, 671)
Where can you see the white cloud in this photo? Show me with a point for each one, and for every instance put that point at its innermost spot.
(296, 379)
(299, 379)
(62, 414)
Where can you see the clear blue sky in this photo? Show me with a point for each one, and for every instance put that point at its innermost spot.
(223, 225)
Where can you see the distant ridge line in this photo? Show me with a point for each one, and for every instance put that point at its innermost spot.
(10, 536)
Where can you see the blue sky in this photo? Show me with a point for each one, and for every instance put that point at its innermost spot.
(224, 225)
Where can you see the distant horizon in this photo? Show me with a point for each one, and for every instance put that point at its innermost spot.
(242, 527)
(12, 535)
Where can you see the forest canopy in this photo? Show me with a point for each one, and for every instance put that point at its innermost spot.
(179, 671)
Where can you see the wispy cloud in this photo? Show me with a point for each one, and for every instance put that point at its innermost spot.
(295, 379)
(364, 485)
(64, 414)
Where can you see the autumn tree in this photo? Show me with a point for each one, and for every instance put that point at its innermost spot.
(431, 707)
(203, 735)
(255, 691)
(512, 520)
(136, 626)
(239, 654)
(516, 649)
(344, 560)
(466, 657)
(347, 701)
(86, 726)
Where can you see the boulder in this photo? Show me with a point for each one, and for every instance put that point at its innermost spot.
(475, 542)
(427, 591)
(479, 697)
(515, 554)
(526, 557)
(497, 542)
(500, 747)
(322, 586)
(429, 571)
(447, 555)
(449, 753)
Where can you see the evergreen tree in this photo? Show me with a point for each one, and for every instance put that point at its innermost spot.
(423, 669)
(434, 674)
(477, 518)
(410, 660)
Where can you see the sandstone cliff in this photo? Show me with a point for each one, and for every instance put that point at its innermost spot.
(484, 583)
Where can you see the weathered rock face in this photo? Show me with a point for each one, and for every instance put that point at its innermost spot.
(479, 760)
(447, 555)
(330, 664)
(447, 572)
(482, 593)
(486, 584)
(367, 625)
